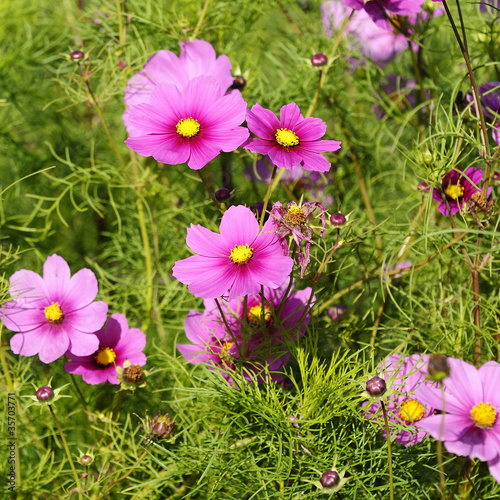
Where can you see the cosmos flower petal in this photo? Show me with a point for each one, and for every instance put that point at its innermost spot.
(201, 154)
(150, 120)
(465, 380)
(28, 344)
(231, 140)
(82, 291)
(238, 226)
(445, 427)
(314, 161)
(28, 289)
(205, 242)
(494, 466)
(56, 275)
(196, 329)
(194, 354)
(201, 91)
(262, 122)
(55, 342)
(490, 376)
(323, 146)
(146, 145)
(256, 145)
(284, 159)
(434, 397)
(290, 117)
(229, 111)
(20, 319)
(310, 129)
(474, 443)
(88, 319)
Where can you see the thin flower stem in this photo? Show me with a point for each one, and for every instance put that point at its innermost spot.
(402, 270)
(324, 72)
(212, 197)
(241, 352)
(268, 195)
(5, 367)
(475, 95)
(389, 454)
(68, 454)
(462, 26)
(121, 478)
(459, 478)
(147, 247)
(200, 20)
(78, 391)
(121, 32)
(467, 475)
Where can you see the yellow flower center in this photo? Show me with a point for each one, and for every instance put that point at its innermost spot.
(241, 254)
(454, 191)
(188, 127)
(286, 137)
(295, 216)
(484, 415)
(53, 314)
(224, 352)
(257, 313)
(411, 411)
(105, 356)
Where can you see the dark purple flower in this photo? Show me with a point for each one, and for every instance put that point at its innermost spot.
(457, 187)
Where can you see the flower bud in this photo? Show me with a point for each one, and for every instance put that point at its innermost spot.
(86, 459)
(375, 386)
(496, 176)
(438, 367)
(77, 55)
(338, 219)
(238, 83)
(329, 479)
(336, 312)
(319, 59)
(294, 420)
(45, 393)
(222, 194)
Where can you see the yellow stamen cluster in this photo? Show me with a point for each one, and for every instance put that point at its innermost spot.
(295, 216)
(411, 411)
(241, 254)
(454, 191)
(224, 352)
(258, 313)
(484, 415)
(105, 356)
(53, 314)
(188, 127)
(286, 138)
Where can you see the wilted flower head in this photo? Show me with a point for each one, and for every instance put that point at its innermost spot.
(290, 141)
(131, 376)
(54, 314)
(469, 424)
(235, 262)
(159, 427)
(259, 330)
(402, 376)
(294, 220)
(117, 344)
(457, 187)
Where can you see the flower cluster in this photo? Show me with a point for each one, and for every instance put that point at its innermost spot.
(179, 112)
(251, 333)
(56, 314)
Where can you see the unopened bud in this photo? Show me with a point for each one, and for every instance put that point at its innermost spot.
(319, 59)
(338, 219)
(238, 83)
(222, 194)
(77, 55)
(329, 479)
(438, 367)
(375, 386)
(45, 393)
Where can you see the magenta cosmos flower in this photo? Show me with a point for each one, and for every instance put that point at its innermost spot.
(457, 187)
(470, 402)
(255, 341)
(197, 58)
(54, 314)
(117, 343)
(403, 376)
(193, 125)
(237, 261)
(290, 141)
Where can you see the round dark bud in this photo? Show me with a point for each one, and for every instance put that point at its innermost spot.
(375, 386)
(45, 393)
(222, 194)
(329, 479)
(338, 219)
(319, 59)
(86, 460)
(496, 176)
(238, 83)
(77, 55)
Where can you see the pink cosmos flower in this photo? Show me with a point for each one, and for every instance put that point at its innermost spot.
(193, 125)
(457, 187)
(405, 374)
(258, 340)
(470, 423)
(237, 261)
(54, 314)
(290, 141)
(197, 58)
(117, 343)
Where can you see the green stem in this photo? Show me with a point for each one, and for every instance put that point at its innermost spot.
(147, 248)
(389, 454)
(121, 33)
(68, 454)
(200, 20)
(78, 391)
(5, 367)
(268, 195)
